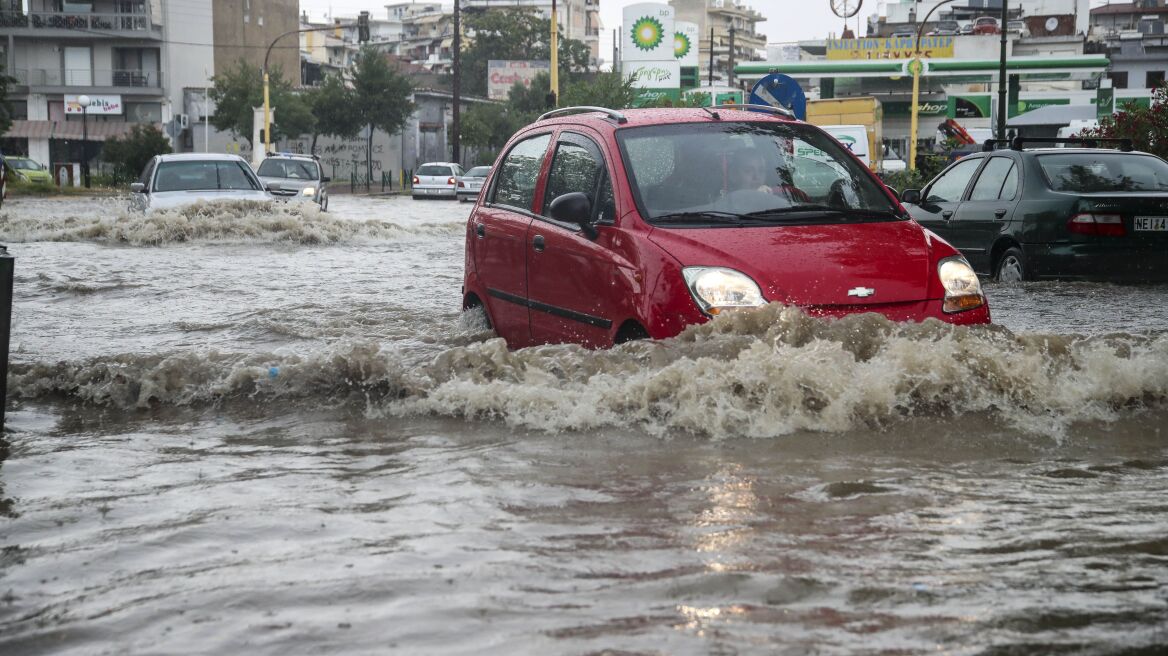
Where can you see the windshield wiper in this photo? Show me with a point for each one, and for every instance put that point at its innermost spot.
(844, 211)
(704, 216)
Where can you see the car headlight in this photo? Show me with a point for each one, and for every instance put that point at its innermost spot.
(717, 289)
(309, 191)
(962, 288)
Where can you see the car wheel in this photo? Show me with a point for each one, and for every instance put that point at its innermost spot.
(1011, 266)
(324, 205)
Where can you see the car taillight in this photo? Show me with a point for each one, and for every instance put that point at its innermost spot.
(450, 181)
(462, 184)
(415, 181)
(1106, 225)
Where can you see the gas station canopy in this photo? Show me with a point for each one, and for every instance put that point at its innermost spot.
(1062, 67)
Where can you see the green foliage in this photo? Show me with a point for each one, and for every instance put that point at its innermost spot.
(5, 105)
(334, 106)
(929, 164)
(1147, 127)
(513, 33)
(240, 88)
(381, 95)
(129, 154)
(687, 100)
(610, 90)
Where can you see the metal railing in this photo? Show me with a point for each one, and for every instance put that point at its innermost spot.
(123, 22)
(71, 77)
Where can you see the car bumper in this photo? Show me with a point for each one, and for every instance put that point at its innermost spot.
(1104, 262)
(448, 192)
(907, 312)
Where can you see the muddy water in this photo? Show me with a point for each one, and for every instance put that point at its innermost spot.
(251, 431)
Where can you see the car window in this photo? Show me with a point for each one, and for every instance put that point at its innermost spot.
(1010, 186)
(1104, 172)
(203, 175)
(950, 186)
(606, 210)
(478, 172)
(288, 168)
(147, 172)
(520, 172)
(990, 181)
(434, 169)
(574, 168)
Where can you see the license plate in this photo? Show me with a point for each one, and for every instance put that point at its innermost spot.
(430, 191)
(1152, 223)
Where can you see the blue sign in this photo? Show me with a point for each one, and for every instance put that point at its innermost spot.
(778, 90)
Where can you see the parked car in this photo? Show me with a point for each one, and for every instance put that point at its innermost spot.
(903, 34)
(471, 183)
(598, 226)
(289, 176)
(181, 179)
(986, 25)
(966, 28)
(436, 180)
(1071, 213)
(945, 28)
(26, 170)
(1018, 27)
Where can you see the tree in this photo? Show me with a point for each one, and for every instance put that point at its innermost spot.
(513, 33)
(241, 88)
(381, 97)
(5, 106)
(1147, 127)
(610, 90)
(129, 154)
(333, 105)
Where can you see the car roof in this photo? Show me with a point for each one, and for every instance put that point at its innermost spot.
(663, 116)
(311, 158)
(213, 157)
(438, 164)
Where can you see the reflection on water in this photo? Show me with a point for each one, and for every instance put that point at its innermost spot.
(274, 433)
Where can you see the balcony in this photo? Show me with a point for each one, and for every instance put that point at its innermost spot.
(86, 78)
(90, 25)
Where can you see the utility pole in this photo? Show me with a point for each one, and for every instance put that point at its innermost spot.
(554, 96)
(710, 73)
(1002, 76)
(455, 130)
(730, 68)
(615, 52)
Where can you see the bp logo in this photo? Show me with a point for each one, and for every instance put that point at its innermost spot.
(647, 33)
(681, 45)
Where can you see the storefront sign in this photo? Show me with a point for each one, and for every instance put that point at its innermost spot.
(654, 75)
(502, 74)
(932, 47)
(1023, 106)
(904, 108)
(976, 106)
(97, 105)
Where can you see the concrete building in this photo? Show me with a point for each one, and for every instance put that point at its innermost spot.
(1133, 36)
(902, 14)
(722, 16)
(579, 19)
(243, 29)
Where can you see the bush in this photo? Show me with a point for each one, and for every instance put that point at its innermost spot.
(1146, 127)
(130, 154)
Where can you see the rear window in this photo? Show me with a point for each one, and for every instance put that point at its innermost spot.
(1104, 172)
(204, 175)
(434, 169)
(478, 172)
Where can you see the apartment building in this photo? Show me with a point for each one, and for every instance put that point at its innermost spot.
(720, 16)
(579, 19)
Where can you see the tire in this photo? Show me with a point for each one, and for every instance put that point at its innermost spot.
(324, 205)
(1012, 267)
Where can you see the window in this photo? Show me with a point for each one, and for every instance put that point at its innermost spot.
(1154, 79)
(951, 185)
(606, 212)
(1105, 172)
(1118, 80)
(519, 173)
(989, 184)
(1010, 186)
(574, 168)
(296, 169)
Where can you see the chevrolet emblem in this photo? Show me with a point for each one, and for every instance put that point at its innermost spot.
(862, 292)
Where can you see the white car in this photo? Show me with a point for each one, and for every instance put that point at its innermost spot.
(471, 184)
(186, 178)
(436, 180)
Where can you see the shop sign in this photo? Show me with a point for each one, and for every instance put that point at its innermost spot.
(502, 74)
(904, 108)
(104, 105)
(932, 47)
(978, 106)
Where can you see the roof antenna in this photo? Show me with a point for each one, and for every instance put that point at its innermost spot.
(711, 113)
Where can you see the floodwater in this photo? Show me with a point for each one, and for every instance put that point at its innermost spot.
(254, 431)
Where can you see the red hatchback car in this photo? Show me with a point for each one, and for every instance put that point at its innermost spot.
(597, 227)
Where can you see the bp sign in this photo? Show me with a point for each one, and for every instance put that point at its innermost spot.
(777, 90)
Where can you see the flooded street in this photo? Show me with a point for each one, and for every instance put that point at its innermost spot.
(254, 431)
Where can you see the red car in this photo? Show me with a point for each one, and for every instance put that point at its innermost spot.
(597, 227)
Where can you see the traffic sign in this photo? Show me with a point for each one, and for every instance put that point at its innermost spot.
(778, 90)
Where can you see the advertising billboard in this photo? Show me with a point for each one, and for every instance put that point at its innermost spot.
(647, 33)
(685, 43)
(903, 47)
(502, 74)
(97, 105)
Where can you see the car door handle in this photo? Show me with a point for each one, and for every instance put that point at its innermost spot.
(947, 214)
(537, 243)
(1000, 212)
(480, 230)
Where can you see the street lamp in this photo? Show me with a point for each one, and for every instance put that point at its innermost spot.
(915, 67)
(84, 102)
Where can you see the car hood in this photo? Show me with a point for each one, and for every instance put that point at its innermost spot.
(816, 265)
(290, 183)
(168, 199)
(35, 175)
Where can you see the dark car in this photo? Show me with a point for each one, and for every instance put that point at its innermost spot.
(597, 226)
(1068, 213)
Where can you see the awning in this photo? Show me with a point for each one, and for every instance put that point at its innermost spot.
(72, 130)
(1053, 115)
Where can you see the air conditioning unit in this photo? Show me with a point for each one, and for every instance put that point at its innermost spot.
(183, 121)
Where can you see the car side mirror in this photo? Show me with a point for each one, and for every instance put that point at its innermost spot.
(272, 186)
(137, 187)
(326, 179)
(911, 196)
(576, 208)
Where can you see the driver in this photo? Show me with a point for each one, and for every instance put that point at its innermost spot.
(753, 172)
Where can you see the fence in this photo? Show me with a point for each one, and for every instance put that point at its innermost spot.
(382, 178)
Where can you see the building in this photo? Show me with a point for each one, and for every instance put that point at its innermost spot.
(1133, 36)
(244, 29)
(578, 19)
(716, 19)
(1072, 15)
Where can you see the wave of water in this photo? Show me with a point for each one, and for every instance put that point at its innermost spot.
(765, 373)
(212, 222)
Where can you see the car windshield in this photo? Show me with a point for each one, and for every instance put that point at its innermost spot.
(478, 172)
(763, 170)
(24, 164)
(295, 169)
(434, 169)
(1104, 172)
(201, 175)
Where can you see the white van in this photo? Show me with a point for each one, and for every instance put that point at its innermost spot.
(855, 139)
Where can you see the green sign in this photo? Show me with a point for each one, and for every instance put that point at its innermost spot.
(654, 96)
(904, 108)
(1023, 106)
(1104, 102)
(970, 106)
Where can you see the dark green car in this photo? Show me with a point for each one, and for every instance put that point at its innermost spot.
(1068, 213)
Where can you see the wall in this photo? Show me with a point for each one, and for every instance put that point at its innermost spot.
(243, 29)
(188, 56)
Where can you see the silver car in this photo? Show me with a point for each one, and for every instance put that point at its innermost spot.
(288, 176)
(471, 183)
(185, 178)
(436, 180)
